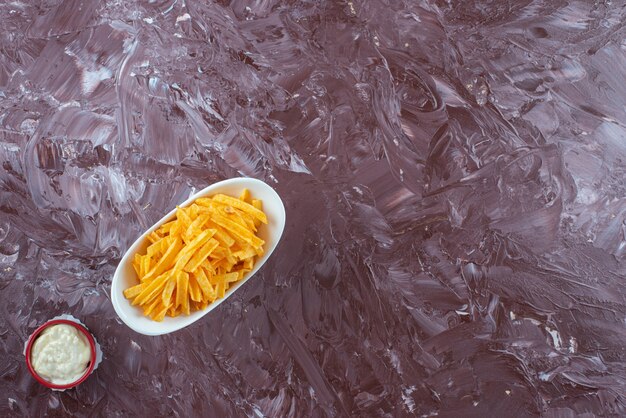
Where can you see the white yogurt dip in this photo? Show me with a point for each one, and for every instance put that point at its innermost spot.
(60, 354)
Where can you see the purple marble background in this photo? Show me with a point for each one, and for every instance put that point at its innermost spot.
(454, 176)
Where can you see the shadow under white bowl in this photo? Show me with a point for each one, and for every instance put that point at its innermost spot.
(126, 277)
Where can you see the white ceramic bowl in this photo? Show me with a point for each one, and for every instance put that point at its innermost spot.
(125, 274)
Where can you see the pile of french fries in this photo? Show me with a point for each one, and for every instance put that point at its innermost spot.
(192, 260)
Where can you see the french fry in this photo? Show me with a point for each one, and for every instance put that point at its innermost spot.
(210, 268)
(241, 273)
(171, 311)
(148, 310)
(201, 255)
(248, 263)
(186, 253)
(134, 291)
(199, 306)
(224, 278)
(238, 230)
(151, 289)
(204, 201)
(218, 254)
(248, 252)
(186, 307)
(137, 264)
(157, 247)
(242, 219)
(226, 264)
(193, 211)
(181, 288)
(169, 289)
(167, 260)
(245, 195)
(222, 236)
(145, 264)
(195, 227)
(159, 314)
(194, 290)
(245, 207)
(182, 216)
(259, 205)
(165, 228)
(208, 292)
(153, 237)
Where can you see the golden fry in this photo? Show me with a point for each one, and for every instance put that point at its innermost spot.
(248, 264)
(159, 314)
(145, 264)
(151, 289)
(193, 211)
(165, 228)
(167, 260)
(201, 255)
(210, 269)
(132, 292)
(153, 236)
(157, 247)
(238, 230)
(221, 290)
(248, 252)
(196, 226)
(137, 264)
(240, 218)
(186, 253)
(208, 293)
(182, 283)
(245, 207)
(259, 205)
(151, 307)
(222, 236)
(205, 201)
(182, 216)
(224, 278)
(166, 296)
(194, 290)
(245, 195)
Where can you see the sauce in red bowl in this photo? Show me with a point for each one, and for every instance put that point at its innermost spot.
(61, 354)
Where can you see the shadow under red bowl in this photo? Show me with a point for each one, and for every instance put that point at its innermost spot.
(92, 349)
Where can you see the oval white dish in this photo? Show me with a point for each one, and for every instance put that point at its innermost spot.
(125, 276)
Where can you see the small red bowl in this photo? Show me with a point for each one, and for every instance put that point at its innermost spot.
(92, 348)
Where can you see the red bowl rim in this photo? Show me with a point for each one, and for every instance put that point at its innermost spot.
(92, 347)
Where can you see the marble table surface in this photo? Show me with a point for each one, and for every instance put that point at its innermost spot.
(454, 178)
